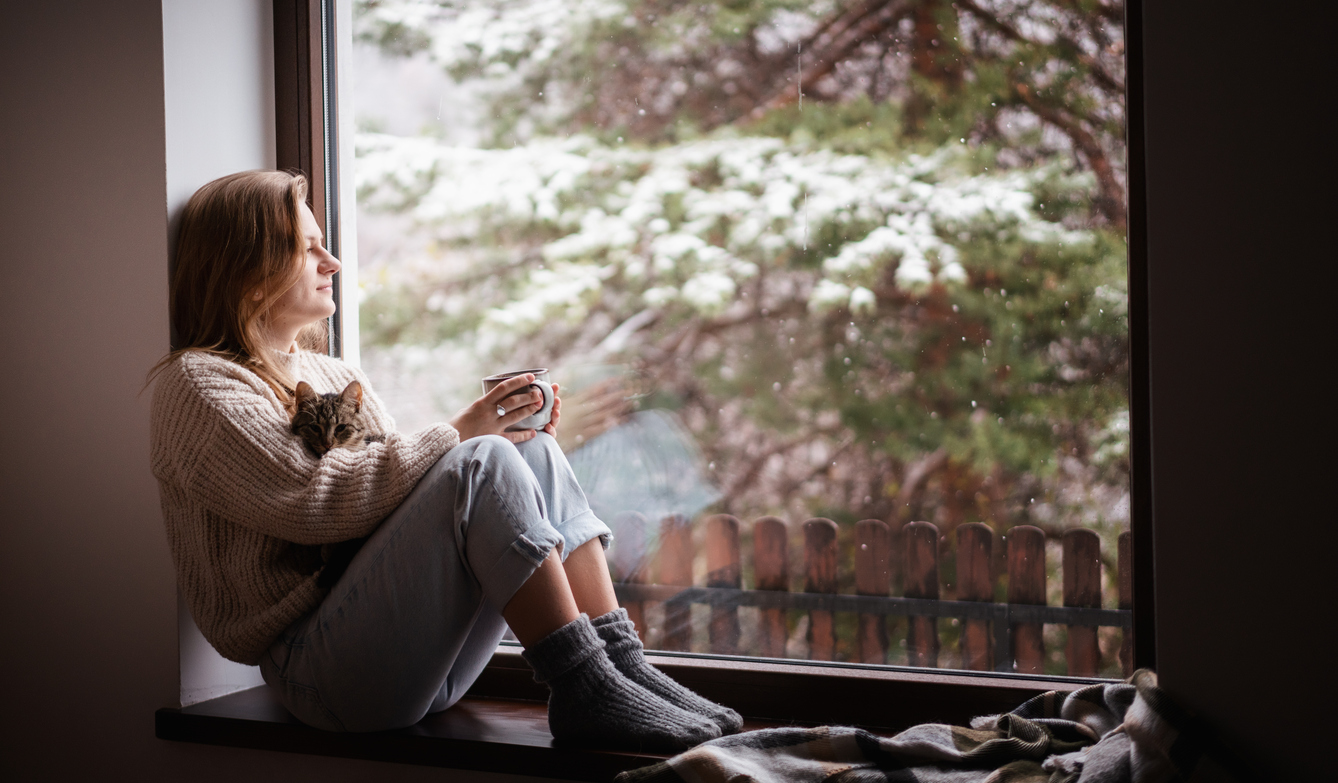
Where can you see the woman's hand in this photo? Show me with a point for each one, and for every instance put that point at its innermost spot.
(492, 413)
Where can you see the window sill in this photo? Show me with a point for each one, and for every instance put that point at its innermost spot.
(787, 692)
(492, 735)
(502, 725)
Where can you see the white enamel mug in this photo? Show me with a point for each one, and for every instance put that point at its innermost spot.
(540, 417)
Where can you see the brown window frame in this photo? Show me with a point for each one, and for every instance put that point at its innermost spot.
(305, 61)
(305, 114)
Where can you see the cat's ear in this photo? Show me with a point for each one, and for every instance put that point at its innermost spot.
(304, 391)
(353, 393)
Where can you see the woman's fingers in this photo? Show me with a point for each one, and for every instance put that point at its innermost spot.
(504, 405)
(507, 387)
(533, 400)
(524, 411)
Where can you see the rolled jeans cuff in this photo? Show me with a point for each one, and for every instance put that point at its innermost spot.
(579, 529)
(518, 562)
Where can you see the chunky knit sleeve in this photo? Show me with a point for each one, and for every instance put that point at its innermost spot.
(230, 449)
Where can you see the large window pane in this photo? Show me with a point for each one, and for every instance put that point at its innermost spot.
(852, 274)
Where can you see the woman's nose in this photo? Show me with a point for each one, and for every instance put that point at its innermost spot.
(330, 264)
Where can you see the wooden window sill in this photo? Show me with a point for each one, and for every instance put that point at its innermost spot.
(483, 734)
(501, 726)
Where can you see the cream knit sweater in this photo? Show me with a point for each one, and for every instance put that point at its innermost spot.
(247, 507)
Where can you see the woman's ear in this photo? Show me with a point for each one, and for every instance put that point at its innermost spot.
(257, 295)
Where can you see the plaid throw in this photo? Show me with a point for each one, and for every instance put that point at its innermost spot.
(1098, 734)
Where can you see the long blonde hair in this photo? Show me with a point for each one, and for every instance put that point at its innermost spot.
(239, 235)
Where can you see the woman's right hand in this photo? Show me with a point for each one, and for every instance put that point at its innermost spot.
(482, 418)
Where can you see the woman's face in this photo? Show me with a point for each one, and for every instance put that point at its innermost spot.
(312, 298)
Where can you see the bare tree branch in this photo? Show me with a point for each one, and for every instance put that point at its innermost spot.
(833, 43)
(1098, 71)
(756, 464)
(1111, 194)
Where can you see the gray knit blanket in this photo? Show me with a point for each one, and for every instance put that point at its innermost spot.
(1109, 733)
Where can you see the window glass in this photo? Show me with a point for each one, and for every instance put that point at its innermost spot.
(835, 292)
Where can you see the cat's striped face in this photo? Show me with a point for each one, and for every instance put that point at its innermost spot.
(329, 421)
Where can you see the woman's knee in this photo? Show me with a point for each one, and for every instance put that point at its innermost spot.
(492, 480)
(484, 457)
(541, 452)
(482, 447)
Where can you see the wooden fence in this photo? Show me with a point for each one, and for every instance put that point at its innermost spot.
(995, 636)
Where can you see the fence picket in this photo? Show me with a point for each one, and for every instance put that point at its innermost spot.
(921, 581)
(1125, 569)
(631, 562)
(1082, 587)
(723, 569)
(675, 568)
(896, 562)
(975, 543)
(1026, 585)
(820, 577)
(873, 555)
(771, 571)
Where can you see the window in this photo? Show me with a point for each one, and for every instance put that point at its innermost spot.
(310, 83)
(838, 295)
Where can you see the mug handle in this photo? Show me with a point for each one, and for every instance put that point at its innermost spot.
(546, 389)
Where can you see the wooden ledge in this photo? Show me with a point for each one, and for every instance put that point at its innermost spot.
(502, 725)
(884, 699)
(491, 735)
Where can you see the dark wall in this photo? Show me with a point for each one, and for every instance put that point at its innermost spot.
(1238, 193)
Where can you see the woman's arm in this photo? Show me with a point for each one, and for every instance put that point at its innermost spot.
(232, 452)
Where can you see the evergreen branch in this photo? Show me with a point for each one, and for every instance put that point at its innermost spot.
(788, 308)
(526, 259)
(1113, 12)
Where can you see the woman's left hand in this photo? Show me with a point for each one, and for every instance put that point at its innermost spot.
(551, 426)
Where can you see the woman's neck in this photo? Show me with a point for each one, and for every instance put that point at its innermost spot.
(281, 341)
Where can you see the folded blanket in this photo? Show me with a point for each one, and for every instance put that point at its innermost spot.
(1106, 733)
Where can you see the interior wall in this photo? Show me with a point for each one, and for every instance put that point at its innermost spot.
(89, 611)
(218, 106)
(1238, 181)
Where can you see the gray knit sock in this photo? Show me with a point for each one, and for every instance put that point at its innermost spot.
(591, 702)
(624, 648)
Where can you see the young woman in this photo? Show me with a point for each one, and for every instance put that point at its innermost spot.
(468, 528)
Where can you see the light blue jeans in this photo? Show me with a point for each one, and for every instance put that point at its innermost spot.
(415, 618)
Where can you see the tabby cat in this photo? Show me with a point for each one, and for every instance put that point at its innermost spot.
(330, 421)
(324, 422)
